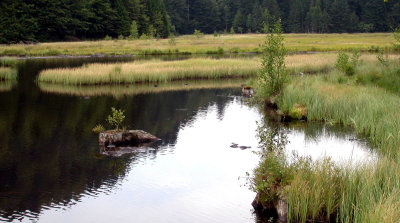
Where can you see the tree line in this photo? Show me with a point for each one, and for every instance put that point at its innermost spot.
(297, 16)
(51, 20)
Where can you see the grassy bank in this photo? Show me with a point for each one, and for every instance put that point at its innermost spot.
(323, 191)
(119, 91)
(156, 71)
(207, 44)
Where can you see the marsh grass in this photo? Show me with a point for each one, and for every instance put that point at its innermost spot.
(7, 73)
(370, 110)
(323, 191)
(190, 44)
(8, 62)
(152, 71)
(119, 91)
(156, 71)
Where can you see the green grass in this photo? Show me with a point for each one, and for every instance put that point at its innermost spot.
(157, 71)
(321, 191)
(8, 62)
(7, 73)
(208, 44)
(152, 71)
(372, 111)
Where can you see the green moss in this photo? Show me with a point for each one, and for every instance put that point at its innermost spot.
(298, 112)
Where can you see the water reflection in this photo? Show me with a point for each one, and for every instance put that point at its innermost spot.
(318, 140)
(51, 169)
(7, 85)
(119, 91)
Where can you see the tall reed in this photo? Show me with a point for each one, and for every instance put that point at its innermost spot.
(325, 191)
(157, 71)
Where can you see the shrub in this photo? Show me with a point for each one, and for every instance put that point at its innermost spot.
(108, 37)
(116, 118)
(383, 60)
(198, 33)
(144, 36)
(273, 72)
(172, 40)
(346, 64)
(216, 34)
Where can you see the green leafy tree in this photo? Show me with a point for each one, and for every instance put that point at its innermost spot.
(273, 72)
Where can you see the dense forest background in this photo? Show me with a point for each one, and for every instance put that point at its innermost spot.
(50, 20)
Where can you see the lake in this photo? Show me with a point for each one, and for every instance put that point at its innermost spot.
(51, 168)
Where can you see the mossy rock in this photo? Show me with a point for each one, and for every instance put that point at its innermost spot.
(298, 112)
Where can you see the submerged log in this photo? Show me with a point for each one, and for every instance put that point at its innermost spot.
(125, 138)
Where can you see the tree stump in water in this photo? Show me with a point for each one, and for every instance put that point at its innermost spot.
(125, 138)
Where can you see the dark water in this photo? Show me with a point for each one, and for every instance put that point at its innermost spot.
(51, 169)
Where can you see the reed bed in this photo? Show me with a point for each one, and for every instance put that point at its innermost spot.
(157, 71)
(323, 191)
(152, 71)
(119, 91)
(372, 111)
(7, 73)
(8, 62)
(209, 44)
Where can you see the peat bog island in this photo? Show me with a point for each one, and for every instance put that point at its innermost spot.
(200, 111)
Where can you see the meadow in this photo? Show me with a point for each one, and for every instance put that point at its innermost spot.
(322, 191)
(206, 44)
